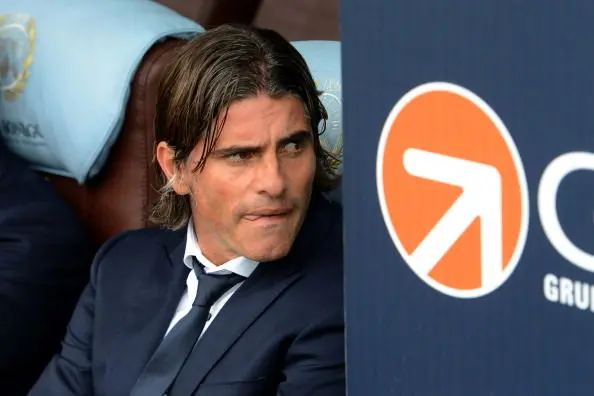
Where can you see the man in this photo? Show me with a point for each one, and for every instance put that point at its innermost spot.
(241, 294)
(44, 261)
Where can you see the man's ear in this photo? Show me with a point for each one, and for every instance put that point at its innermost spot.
(175, 175)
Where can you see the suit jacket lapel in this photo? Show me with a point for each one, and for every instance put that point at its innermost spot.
(266, 283)
(159, 288)
(260, 290)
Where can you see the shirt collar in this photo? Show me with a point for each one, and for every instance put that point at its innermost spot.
(239, 265)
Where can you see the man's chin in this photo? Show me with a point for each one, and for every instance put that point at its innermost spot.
(265, 244)
(268, 256)
(268, 252)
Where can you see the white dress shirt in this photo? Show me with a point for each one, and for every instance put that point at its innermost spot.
(240, 265)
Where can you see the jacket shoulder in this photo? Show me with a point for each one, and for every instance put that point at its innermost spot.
(132, 248)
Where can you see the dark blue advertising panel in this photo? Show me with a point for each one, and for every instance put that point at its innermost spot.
(469, 197)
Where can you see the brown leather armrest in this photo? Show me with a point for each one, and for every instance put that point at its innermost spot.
(121, 196)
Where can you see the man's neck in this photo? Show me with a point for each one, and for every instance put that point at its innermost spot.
(216, 255)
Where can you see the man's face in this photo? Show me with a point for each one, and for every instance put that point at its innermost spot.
(252, 195)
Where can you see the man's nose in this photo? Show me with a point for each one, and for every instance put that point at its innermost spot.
(271, 178)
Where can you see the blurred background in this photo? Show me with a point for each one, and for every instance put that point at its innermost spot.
(294, 19)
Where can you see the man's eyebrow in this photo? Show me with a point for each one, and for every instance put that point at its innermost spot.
(235, 149)
(296, 136)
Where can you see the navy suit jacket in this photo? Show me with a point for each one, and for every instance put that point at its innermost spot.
(44, 265)
(281, 333)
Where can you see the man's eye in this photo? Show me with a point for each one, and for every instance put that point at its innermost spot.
(293, 147)
(241, 156)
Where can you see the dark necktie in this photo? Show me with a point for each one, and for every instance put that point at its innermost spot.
(168, 359)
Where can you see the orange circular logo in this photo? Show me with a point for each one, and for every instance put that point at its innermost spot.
(452, 190)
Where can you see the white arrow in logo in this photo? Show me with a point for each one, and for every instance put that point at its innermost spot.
(481, 198)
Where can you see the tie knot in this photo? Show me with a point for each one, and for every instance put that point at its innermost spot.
(211, 287)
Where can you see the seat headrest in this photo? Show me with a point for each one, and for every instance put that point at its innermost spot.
(323, 59)
(66, 68)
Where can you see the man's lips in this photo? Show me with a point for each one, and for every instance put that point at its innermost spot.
(267, 213)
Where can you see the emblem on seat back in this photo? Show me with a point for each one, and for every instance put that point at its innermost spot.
(17, 46)
(331, 139)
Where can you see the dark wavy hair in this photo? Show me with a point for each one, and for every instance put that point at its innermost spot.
(205, 77)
